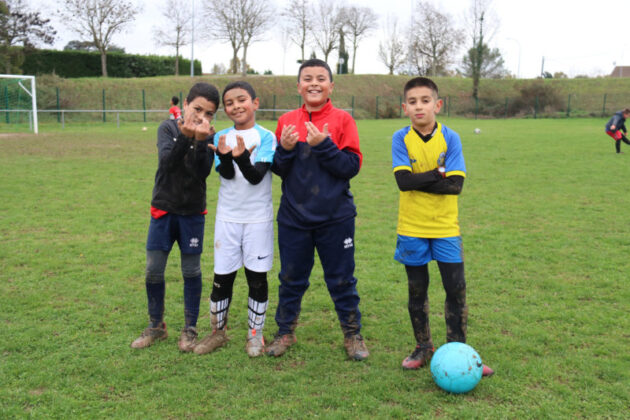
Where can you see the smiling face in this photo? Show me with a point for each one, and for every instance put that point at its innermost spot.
(200, 109)
(315, 87)
(240, 108)
(421, 105)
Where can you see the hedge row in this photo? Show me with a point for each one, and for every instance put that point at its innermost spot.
(88, 64)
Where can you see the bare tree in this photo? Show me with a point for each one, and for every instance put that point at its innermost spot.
(482, 25)
(359, 22)
(391, 50)
(177, 30)
(241, 23)
(298, 15)
(328, 20)
(20, 26)
(257, 17)
(224, 20)
(98, 21)
(434, 40)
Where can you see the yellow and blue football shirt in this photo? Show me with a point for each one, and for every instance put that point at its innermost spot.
(422, 214)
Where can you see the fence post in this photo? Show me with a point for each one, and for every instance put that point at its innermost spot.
(506, 107)
(6, 103)
(536, 108)
(63, 120)
(352, 106)
(569, 106)
(299, 102)
(604, 108)
(376, 112)
(273, 116)
(400, 107)
(104, 117)
(144, 106)
(58, 107)
(448, 108)
(118, 120)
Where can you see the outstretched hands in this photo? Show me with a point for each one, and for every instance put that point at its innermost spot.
(223, 149)
(191, 129)
(313, 135)
(289, 136)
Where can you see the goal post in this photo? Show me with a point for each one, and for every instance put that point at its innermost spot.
(18, 96)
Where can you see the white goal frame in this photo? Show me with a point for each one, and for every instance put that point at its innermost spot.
(32, 93)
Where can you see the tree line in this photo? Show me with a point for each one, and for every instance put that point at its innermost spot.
(431, 43)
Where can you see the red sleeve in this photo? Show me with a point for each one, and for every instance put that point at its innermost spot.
(350, 139)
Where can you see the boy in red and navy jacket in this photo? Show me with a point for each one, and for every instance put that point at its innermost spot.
(317, 155)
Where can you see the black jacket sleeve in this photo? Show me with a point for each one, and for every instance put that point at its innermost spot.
(226, 168)
(252, 173)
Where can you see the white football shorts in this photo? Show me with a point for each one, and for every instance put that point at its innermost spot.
(243, 244)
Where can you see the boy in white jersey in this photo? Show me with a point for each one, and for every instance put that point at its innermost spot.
(243, 234)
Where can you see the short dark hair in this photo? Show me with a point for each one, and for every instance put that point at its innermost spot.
(205, 90)
(315, 62)
(175, 100)
(420, 82)
(626, 111)
(239, 84)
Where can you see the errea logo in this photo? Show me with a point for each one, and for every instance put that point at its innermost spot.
(347, 243)
(194, 243)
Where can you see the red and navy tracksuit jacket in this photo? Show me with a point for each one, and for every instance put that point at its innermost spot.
(317, 211)
(316, 180)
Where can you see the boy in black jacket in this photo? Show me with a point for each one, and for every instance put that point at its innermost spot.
(178, 211)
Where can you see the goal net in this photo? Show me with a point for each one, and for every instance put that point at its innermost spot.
(18, 102)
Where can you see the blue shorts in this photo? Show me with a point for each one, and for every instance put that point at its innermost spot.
(186, 230)
(419, 251)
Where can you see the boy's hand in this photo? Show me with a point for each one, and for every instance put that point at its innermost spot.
(187, 127)
(289, 137)
(240, 147)
(203, 130)
(222, 148)
(195, 131)
(313, 135)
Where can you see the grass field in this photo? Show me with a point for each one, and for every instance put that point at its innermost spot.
(543, 216)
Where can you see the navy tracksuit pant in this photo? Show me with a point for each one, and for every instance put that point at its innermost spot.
(335, 247)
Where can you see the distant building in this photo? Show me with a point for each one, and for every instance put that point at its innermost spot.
(620, 71)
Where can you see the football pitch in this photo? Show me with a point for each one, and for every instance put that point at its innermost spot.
(547, 253)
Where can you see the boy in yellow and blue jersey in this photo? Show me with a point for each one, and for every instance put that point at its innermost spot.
(429, 167)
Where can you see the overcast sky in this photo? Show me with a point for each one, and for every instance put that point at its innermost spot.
(577, 38)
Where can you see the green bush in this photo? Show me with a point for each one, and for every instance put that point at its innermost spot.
(72, 64)
(536, 97)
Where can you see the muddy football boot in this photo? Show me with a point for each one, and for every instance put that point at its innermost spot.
(211, 342)
(255, 343)
(280, 344)
(187, 339)
(150, 336)
(355, 347)
(420, 357)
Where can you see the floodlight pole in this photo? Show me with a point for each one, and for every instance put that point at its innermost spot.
(518, 71)
(192, 42)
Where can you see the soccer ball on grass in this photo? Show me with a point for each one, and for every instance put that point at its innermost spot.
(477, 130)
(456, 368)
